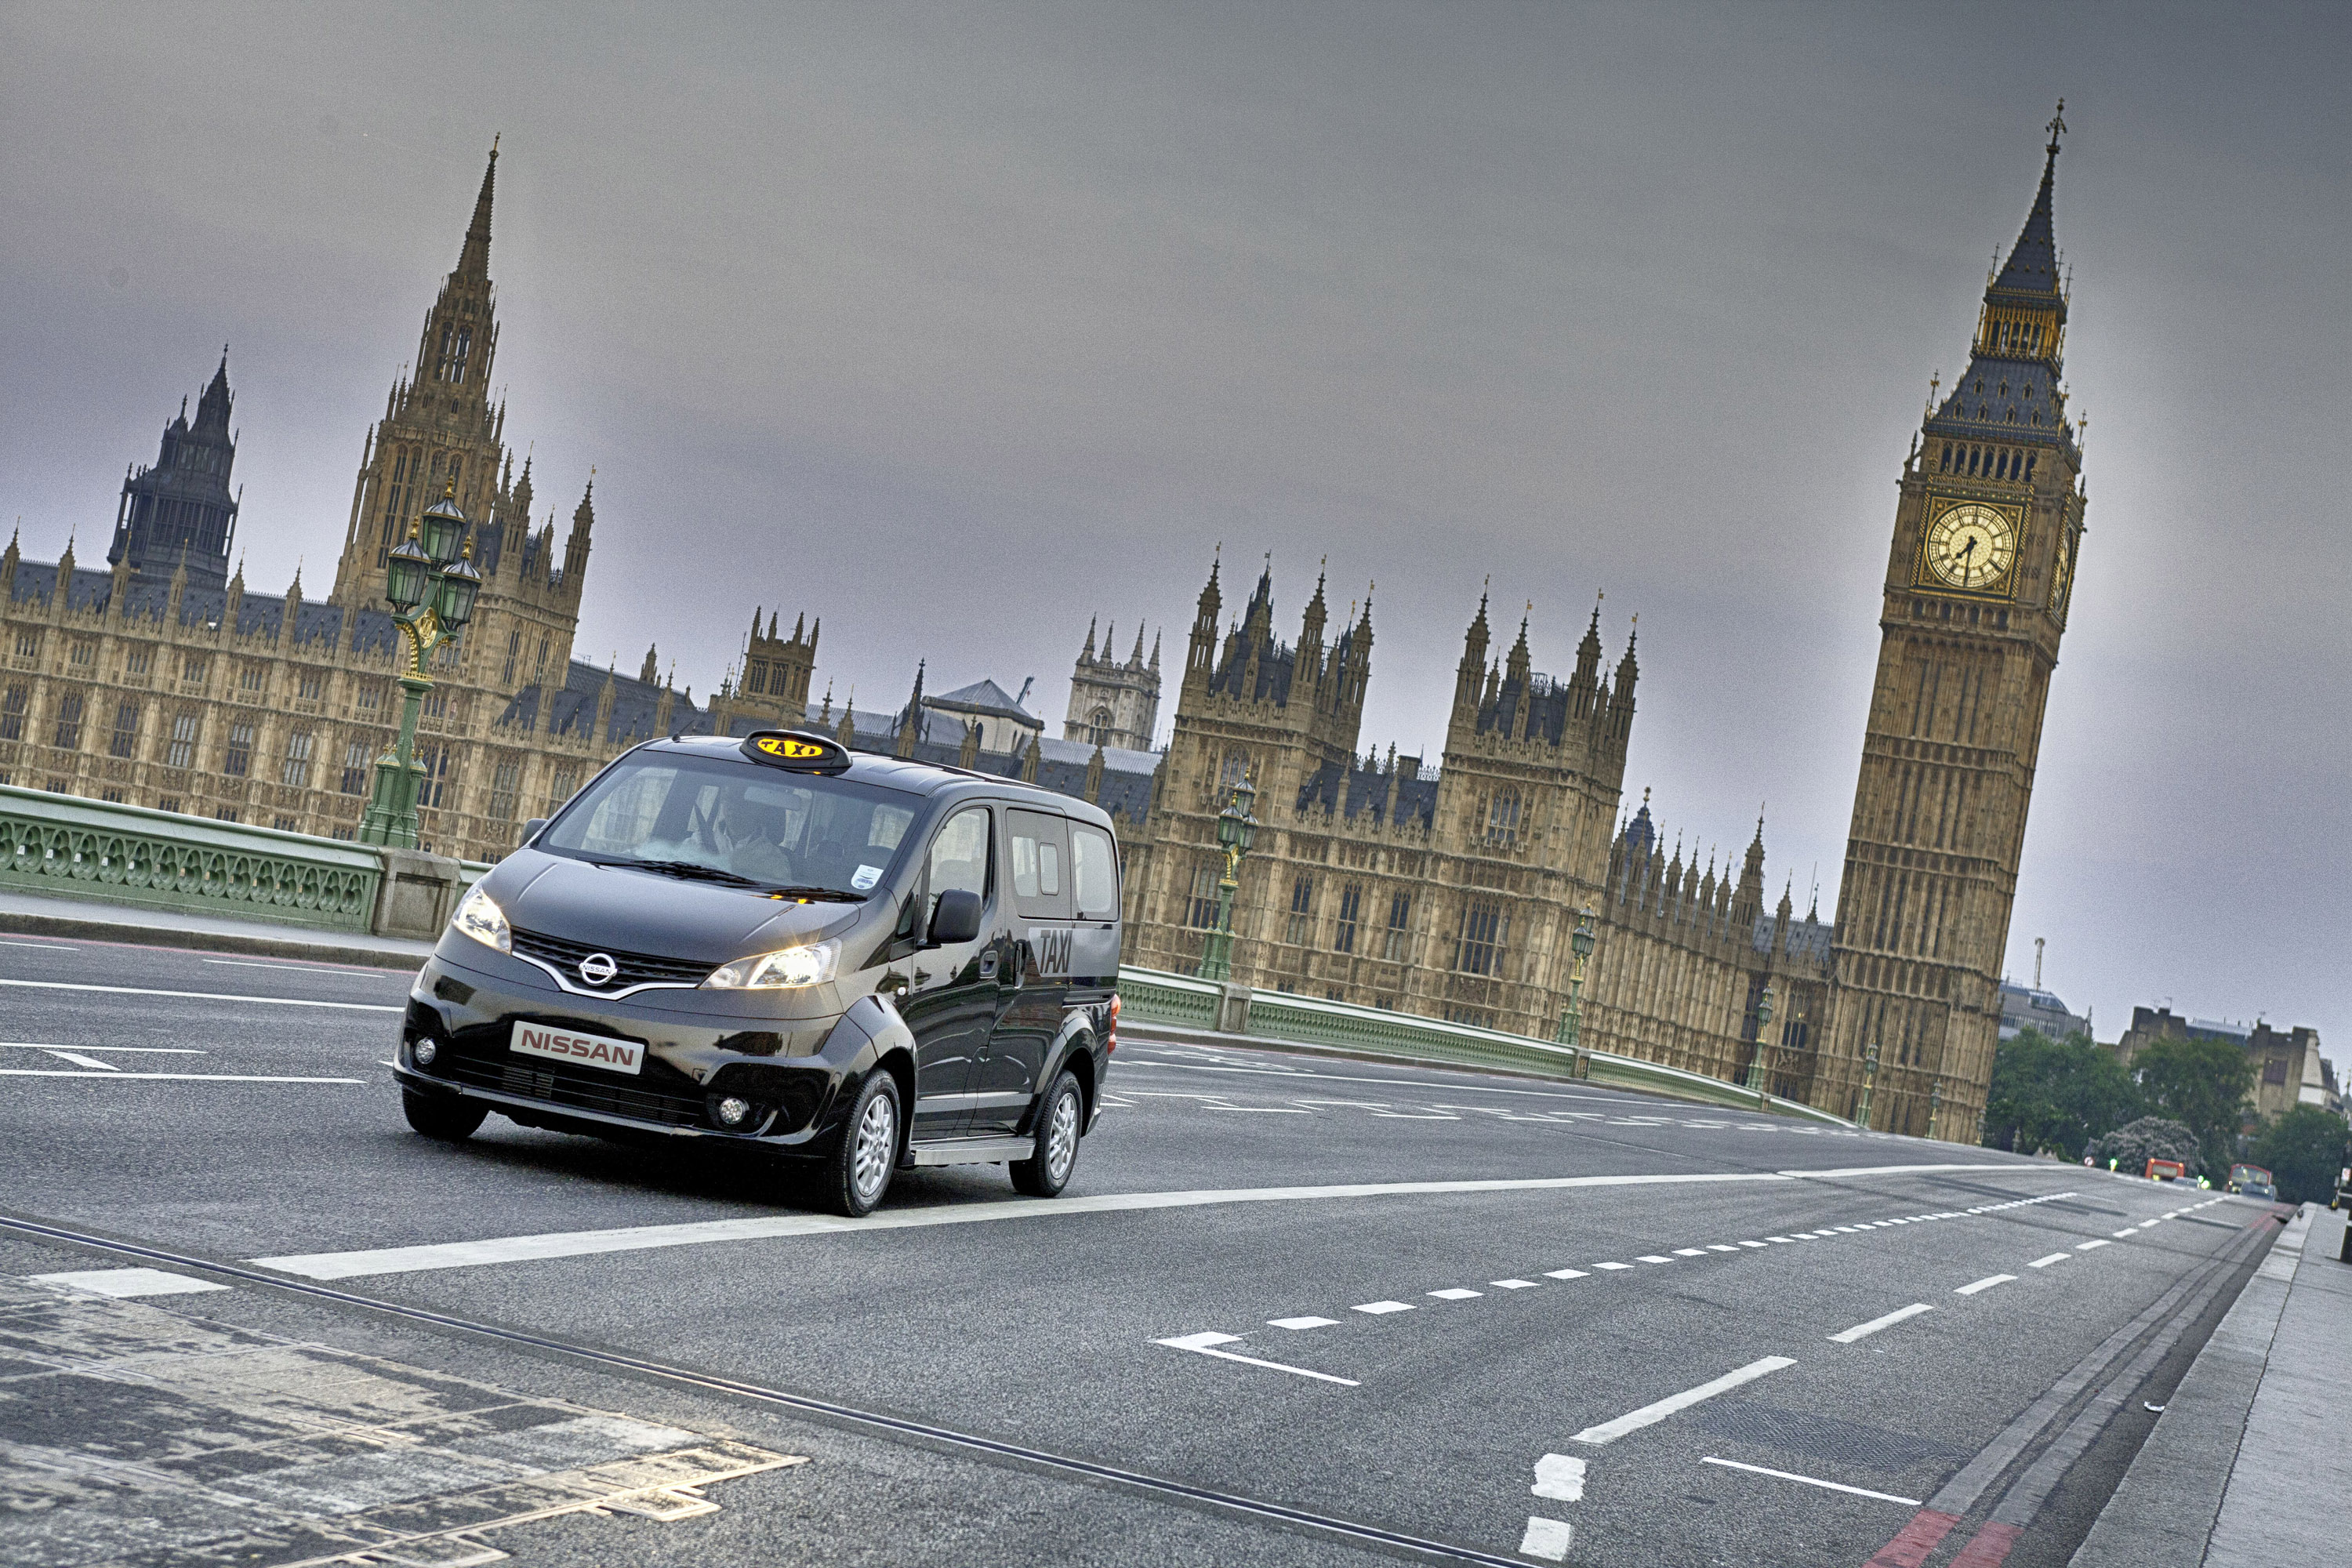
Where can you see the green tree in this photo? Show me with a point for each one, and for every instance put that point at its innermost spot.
(2305, 1149)
(2203, 1083)
(2055, 1095)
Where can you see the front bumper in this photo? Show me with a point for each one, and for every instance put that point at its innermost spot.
(697, 1053)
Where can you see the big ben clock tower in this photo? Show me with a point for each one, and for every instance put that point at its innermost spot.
(1986, 530)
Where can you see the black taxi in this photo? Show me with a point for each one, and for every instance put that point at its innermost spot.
(858, 962)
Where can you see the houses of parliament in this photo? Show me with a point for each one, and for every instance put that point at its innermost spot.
(1444, 886)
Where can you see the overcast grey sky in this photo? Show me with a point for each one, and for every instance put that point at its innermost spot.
(954, 325)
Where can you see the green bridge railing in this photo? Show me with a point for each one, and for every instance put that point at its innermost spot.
(1155, 997)
(75, 848)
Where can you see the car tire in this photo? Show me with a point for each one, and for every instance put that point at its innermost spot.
(1060, 1120)
(858, 1173)
(443, 1117)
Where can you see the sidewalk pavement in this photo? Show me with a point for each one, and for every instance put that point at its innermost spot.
(2246, 1465)
(38, 914)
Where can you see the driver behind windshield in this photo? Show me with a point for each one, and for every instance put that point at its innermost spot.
(674, 812)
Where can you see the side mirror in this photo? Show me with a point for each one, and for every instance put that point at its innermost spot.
(956, 918)
(531, 829)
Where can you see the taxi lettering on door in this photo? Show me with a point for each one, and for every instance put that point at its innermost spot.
(1051, 944)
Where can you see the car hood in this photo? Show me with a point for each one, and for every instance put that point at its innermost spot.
(645, 911)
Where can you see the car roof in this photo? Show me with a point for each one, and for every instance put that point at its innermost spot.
(905, 773)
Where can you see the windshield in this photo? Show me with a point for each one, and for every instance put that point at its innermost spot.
(737, 824)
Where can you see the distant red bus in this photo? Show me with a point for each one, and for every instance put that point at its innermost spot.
(2243, 1176)
(2166, 1170)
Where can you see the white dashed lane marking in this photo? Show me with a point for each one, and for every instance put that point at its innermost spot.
(1864, 1331)
(1299, 1323)
(1382, 1309)
(1206, 1344)
(129, 1282)
(2046, 1262)
(1651, 1415)
(1457, 1294)
(1987, 1283)
(1813, 1481)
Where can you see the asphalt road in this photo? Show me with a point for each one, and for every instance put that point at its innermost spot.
(1290, 1310)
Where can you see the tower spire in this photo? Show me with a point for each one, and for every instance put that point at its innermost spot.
(474, 258)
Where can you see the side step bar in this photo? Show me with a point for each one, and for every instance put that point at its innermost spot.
(975, 1150)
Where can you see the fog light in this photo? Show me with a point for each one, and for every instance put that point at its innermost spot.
(425, 1050)
(734, 1113)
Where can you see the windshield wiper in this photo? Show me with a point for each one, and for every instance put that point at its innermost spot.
(831, 895)
(694, 870)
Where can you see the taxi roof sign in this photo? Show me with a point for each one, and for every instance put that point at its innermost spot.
(797, 750)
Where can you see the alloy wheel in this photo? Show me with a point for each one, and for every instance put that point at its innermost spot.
(1062, 1138)
(878, 1145)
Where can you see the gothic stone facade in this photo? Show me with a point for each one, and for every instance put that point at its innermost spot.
(1451, 891)
(161, 682)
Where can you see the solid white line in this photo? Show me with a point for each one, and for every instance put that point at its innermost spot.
(203, 995)
(2046, 1262)
(42, 946)
(636, 1239)
(112, 1075)
(289, 968)
(1191, 1342)
(1987, 1283)
(1650, 1414)
(1814, 1481)
(1864, 1331)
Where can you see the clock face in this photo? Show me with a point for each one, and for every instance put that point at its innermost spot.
(2062, 576)
(1971, 546)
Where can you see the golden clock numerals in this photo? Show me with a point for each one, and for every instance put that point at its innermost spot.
(1971, 546)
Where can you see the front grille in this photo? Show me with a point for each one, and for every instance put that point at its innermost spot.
(658, 1093)
(635, 968)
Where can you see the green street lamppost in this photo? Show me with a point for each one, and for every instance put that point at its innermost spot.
(1571, 1018)
(431, 583)
(1869, 1082)
(1755, 1066)
(1935, 1105)
(1236, 830)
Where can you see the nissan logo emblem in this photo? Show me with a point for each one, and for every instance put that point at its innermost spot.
(598, 968)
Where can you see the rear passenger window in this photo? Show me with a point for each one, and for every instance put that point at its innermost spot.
(1040, 853)
(1094, 872)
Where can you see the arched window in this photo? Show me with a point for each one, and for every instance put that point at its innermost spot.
(1099, 726)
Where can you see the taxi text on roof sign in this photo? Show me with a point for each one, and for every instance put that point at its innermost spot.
(800, 753)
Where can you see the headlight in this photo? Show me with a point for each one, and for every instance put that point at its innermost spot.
(788, 970)
(479, 917)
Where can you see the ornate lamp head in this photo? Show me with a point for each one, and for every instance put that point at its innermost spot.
(1764, 1008)
(444, 527)
(454, 595)
(1581, 942)
(406, 573)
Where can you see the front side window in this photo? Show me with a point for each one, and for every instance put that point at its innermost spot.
(735, 823)
(959, 856)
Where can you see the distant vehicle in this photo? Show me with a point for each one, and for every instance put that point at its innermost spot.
(2243, 1176)
(2262, 1190)
(2166, 1170)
